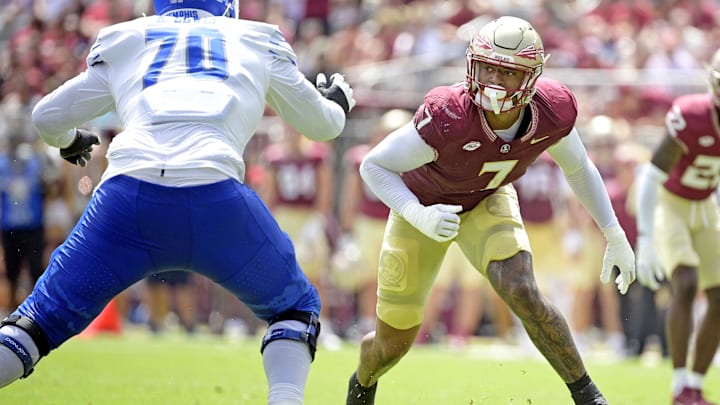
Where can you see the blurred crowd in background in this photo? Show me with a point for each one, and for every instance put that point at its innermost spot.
(625, 61)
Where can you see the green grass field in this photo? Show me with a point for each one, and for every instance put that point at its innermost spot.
(137, 368)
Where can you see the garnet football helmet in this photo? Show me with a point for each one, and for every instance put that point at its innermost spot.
(508, 43)
(714, 77)
(190, 8)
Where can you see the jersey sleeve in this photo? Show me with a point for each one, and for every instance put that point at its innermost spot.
(71, 105)
(441, 113)
(680, 118)
(113, 42)
(297, 100)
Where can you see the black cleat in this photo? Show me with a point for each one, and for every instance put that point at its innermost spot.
(359, 395)
(589, 395)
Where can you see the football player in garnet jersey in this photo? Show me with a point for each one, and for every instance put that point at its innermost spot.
(447, 177)
(679, 230)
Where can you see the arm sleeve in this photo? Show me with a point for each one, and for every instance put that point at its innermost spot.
(584, 179)
(297, 100)
(649, 179)
(74, 103)
(401, 151)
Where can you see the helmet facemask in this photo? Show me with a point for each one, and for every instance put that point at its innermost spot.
(511, 46)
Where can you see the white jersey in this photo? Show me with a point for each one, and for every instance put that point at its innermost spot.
(189, 95)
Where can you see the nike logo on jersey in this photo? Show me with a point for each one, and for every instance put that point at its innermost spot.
(536, 140)
(471, 146)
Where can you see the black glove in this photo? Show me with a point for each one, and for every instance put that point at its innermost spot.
(78, 153)
(337, 90)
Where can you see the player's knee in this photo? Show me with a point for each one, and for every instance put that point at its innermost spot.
(306, 329)
(22, 344)
(390, 350)
(685, 282)
(519, 290)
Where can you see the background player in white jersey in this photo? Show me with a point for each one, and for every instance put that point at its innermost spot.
(190, 88)
(446, 176)
(679, 231)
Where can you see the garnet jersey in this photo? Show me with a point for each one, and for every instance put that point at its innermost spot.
(540, 190)
(370, 204)
(471, 160)
(296, 174)
(693, 122)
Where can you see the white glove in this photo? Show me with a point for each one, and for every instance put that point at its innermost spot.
(649, 272)
(618, 254)
(439, 222)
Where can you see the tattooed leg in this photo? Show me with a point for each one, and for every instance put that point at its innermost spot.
(514, 282)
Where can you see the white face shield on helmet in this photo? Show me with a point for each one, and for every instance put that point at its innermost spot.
(510, 45)
(714, 77)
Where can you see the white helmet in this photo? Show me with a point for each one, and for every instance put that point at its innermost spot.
(511, 43)
(714, 77)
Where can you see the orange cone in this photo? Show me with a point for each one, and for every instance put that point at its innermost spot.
(107, 322)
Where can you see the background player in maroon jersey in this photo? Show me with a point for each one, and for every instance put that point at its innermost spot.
(299, 192)
(447, 177)
(679, 231)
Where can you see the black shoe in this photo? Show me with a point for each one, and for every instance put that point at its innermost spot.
(359, 395)
(589, 395)
(596, 401)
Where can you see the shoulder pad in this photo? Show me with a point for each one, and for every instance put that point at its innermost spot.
(556, 101)
(112, 40)
(445, 107)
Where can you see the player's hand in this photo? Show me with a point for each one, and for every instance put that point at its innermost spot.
(618, 255)
(78, 153)
(439, 222)
(337, 90)
(649, 272)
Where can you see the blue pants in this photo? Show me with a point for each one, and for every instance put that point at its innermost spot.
(131, 229)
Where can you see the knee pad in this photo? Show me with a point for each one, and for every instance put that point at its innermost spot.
(33, 330)
(308, 336)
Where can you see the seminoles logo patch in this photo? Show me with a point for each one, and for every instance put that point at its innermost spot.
(472, 145)
(393, 273)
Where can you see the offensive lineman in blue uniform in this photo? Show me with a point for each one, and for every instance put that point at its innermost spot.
(190, 88)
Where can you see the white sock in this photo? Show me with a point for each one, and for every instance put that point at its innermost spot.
(616, 341)
(695, 380)
(679, 379)
(367, 324)
(11, 367)
(287, 365)
(326, 326)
